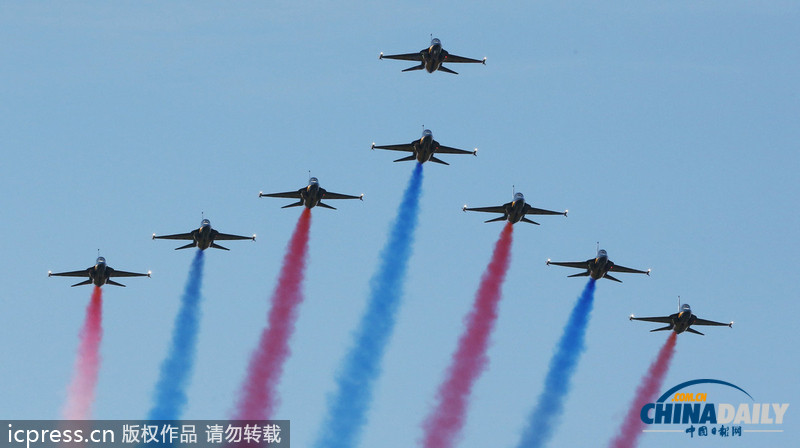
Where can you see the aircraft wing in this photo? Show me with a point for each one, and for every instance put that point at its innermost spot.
(705, 322)
(495, 209)
(663, 320)
(329, 195)
(225, 236)
(571, 264)
(538, 211)
(407, 147)
(116, 273)
(177, 236)
(289, 194)
(403, 57)
(453, 58)
(618, 268)
(83, 273)
(449, 150)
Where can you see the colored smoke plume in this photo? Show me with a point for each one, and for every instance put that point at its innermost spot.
(80, 395)
(443, 426)
(647, 392)
(169, 398)
(544, 417)
(257, 398)
(347, 407)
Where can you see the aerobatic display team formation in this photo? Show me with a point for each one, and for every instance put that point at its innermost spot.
(347, 407)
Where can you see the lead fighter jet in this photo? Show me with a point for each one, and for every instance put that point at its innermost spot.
(99, 274)
(424, 149)
(682, 321)
(310, 195)
(514, 211)
(203, 237)
(431, 58)
(597, 267)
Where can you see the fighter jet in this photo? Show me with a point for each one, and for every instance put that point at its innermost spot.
(431, 58)
(203, 237)
(99, 274)
(423, 149)
(310, 195)
(682, 321)
(514, 211)
(597, 267)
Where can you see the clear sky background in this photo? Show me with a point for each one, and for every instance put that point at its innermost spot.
(669, 130)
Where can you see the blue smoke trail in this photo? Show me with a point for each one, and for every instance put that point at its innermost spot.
(347, 407)
(170, 394)
(542, 420)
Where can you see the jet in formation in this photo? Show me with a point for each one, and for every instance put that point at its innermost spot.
(431, 58)
(99, 274)
(682, 321)
(514, 211)
(310, 196)
(424, 149)
(597, 267)
(204, 237)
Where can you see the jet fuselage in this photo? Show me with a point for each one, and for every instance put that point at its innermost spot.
(515, 210)
(600, 266)
(433, 57)
(425, 146)
(312, 194)
(204, 236)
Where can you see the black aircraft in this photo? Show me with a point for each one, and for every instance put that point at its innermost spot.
(597, 267)
(514, 211)
(203, 237)
(310, 196)
(431, 58)
(682, 321)
(423, 149)
(99, 274)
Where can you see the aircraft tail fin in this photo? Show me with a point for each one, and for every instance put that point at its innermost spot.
(406, 159)
(524, 219)
(296, 204)
(416, 67)
(445, 69)
(434, 159)
(217, 246)
(186, 246)
(501, 218)
(326, 206)
(112, 282)
(668, 327)
(692, 330)
(85, 282)
(582, 274)
(612, 278)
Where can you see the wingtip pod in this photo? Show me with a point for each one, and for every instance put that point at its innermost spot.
(475, 152)
(648, 272)
(361, 197)
(260, 194)
(373, 146)
(547, 262)
(565, 212)
(49, 273)
(631, 317)
(254, 237)
(464, 208)
(380, 56)
(154, 236)
(730, 324)
(148, 274)
(484, 60)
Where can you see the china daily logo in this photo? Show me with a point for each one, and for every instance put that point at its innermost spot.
(712, 419)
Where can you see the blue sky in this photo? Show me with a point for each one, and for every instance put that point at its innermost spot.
(668, 130)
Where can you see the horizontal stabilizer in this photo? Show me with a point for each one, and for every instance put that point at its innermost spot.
(445, 69)
(668, 327)
(112, 282)
(524, 219)
(86, 282)
(434, 159)
(186, 246)
(416, 67)
(296, 204)
(406, 159)
(326, 206)
(692, 330)
(501, 218)
(217, 246)
(612, 278)
(582, 274)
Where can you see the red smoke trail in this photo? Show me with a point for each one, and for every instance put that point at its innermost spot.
(257, 396)
(647, 391)
(81, 391)
(445, 423)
